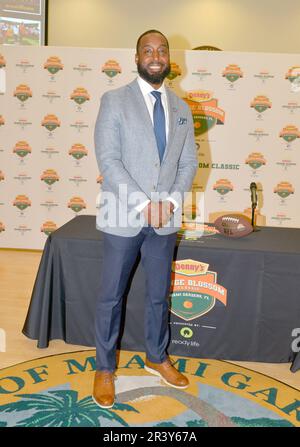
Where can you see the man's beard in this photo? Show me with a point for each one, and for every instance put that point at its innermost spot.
(155, 78)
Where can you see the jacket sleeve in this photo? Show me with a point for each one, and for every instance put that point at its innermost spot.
(187, 164)
(109, 154)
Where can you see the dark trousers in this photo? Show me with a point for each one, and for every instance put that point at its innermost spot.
(120, 254)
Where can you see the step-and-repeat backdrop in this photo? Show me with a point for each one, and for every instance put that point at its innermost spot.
(246, 109)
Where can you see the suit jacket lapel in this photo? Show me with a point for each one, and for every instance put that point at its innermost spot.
(142, 108)
(144, 115)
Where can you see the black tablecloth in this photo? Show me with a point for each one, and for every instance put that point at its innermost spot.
(260, 272)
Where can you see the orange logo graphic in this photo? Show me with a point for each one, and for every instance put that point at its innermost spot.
(223, 186)
(293, 73)
(53, 64)
(261, 103)
(284, 189)
(174, 72)
(2, 227)
(1, 176)
(100, 179)
(22, 202)
(232, 73)
(255, 160)
(194, 289)
(194, 230)
(2, 121)
(78, 151)
(48, 227)
(50, 177)
(2, 61)
(22, 149)
(50, 122)
(80, 95)
(111, 68)
(77, 204)
(205, 110)
(23, 92)
(289, 133)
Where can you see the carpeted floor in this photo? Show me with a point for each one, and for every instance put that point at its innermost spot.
(56, 391)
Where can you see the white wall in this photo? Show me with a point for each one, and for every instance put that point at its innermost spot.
(232, 25)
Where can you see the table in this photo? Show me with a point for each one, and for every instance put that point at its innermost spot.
(247, 306)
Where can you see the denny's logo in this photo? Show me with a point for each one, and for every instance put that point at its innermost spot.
(194, 289)
(205, 110)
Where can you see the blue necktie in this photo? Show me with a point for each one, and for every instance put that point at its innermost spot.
(159, 123)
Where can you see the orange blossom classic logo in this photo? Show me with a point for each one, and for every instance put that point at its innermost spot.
(111, 68)
(194, 289)
(205, 110)
(53, 64)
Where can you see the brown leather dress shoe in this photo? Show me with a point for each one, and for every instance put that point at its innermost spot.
(104, 389)
(168, 373)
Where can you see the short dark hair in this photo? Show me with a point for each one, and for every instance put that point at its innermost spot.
(150, 31)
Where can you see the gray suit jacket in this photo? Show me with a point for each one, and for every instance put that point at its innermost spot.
(128, 159)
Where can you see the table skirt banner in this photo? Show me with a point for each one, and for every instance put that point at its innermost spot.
(232, 300)
(246, 115)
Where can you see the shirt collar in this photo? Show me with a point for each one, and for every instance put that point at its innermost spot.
(146, 88)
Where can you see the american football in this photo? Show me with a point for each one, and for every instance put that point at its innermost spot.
(233, 225)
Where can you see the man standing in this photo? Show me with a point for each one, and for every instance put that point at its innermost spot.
(145, 149)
